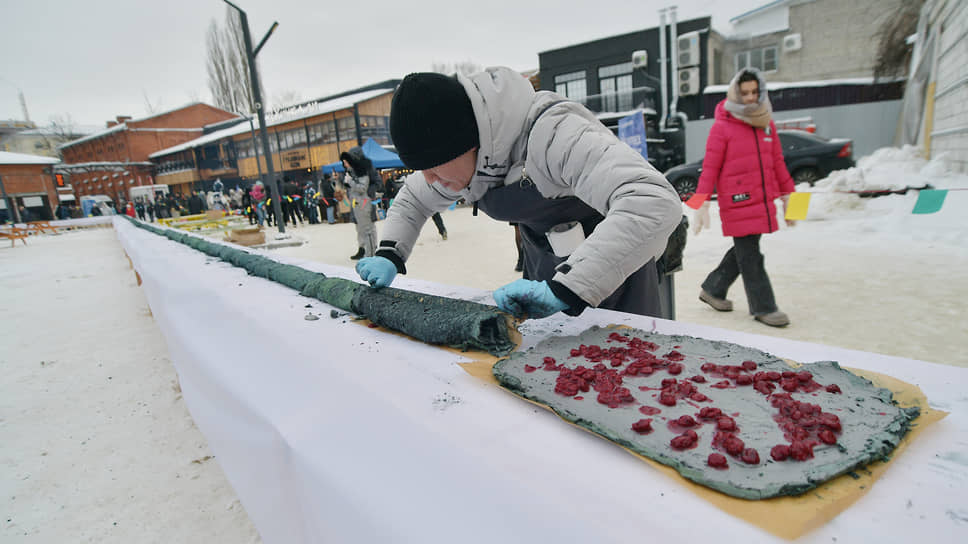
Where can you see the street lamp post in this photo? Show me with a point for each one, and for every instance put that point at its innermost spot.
(255, 147)
(257, 98)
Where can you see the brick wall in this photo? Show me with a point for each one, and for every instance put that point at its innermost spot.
(29, 179)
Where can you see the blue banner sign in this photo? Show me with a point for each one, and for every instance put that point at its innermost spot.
(631, 130)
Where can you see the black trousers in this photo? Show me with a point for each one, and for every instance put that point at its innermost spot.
(745, 259)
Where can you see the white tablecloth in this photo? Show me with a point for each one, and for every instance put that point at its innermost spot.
(333, 432)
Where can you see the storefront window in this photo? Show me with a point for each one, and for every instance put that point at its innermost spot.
(376, 127)
(347, 129)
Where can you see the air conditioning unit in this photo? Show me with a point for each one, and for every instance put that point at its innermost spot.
(689, 81)
(689, 49)
(640, 59)
(791, 43)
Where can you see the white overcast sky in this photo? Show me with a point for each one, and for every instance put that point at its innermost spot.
(95, 59)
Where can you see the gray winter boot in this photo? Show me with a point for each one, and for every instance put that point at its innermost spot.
(774, 319)
(721, 304)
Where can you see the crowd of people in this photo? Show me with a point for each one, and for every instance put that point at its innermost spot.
(309, 202)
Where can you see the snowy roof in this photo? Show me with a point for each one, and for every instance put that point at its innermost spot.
(777, 85)
(122, 126)
(96, 135)
(7, 157)
(272, 119)
(764, 7)
(309, 110)
(212, 137)
(98, 166)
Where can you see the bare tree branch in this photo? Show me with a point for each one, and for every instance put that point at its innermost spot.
(284, 99)
(227, 65)
(150, 108)
(893, 52)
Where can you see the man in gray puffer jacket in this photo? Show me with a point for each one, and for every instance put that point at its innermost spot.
(594, 215)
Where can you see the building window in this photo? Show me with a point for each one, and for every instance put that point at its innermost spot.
(615, 83)
(292, 139)
(347, 129)
(376, 127)
(322, 133)
(571, 86)
(244, 149)
(763, 59)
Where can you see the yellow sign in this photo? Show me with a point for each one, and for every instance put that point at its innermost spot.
(797, 206)
(295, 159)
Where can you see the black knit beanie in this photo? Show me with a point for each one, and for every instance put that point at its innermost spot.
(431, 120)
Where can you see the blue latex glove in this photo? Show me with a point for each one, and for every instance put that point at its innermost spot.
(379, 271)
(534, 299)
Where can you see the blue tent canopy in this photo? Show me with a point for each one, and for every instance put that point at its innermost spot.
(382, 158)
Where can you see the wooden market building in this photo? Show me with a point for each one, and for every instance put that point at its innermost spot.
(303, 139)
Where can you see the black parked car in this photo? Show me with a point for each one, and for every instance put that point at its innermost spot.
(808, 158)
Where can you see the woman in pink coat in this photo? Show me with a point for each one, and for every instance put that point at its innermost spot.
(744, 165)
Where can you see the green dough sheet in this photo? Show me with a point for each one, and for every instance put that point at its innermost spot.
(868, 426)
(428, 318)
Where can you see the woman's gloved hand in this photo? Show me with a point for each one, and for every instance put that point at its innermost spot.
(701, 218)
(379, 271)
(534, 299)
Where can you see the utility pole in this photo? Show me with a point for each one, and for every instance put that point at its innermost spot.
(257, 98)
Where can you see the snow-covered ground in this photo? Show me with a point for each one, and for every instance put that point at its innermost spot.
(96, 444)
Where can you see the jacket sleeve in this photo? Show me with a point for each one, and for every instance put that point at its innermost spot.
(712, 163)
(783, 178)
(570, 153)
(416, 201)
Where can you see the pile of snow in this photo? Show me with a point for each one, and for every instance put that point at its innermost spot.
(836, 197)
(887, 169)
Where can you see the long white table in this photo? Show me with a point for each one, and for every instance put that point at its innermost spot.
(334, 432)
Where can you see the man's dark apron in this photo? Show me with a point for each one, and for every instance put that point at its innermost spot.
(522, 204)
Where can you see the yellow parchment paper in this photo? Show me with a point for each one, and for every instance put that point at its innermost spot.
(786, 517)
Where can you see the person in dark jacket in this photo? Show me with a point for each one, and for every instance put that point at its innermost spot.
(327, 199)
(248, 207)
(744, 165)
(195, 204)
(309, 204)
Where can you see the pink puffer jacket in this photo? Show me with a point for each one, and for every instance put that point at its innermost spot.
(744, 165)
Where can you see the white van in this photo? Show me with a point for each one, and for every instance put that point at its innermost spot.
(147, 191)
(103, 203)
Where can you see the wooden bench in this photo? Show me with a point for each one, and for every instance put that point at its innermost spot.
(41, 226)
(13, 234)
